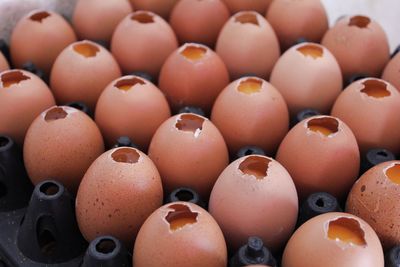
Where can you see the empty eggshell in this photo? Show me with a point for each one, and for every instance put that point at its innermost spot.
(161, 7)
(3, 63)
(391, 72)
(240, 5)
(255, 196)
(332, 240)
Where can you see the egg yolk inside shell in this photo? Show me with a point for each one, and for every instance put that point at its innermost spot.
(311, 50)
(393, 173)
(40, 16)
(359, 21)
(143, 17)
(126, 155)
(375, 89)
(56, 113)
(180, 216)
(256, 166)
(86, 49)
(190, 123)
(325, 126)
(247, 17)
(193, 52)
(13, 77)
(127, 84)
(346, 230)
(250, 86)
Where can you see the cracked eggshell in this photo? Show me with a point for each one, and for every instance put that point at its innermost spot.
(3, 63)
(374, 198)
(321, 154)
(332, 240)
(119, 191)
(240, 5)
(161, 7)
(180, 234)
(255, 196)
(391, 72)
(371, 108)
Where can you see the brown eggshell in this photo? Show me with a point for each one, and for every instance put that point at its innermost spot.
(39, 37)
(119, 191)
(359, 44)
(60, 144)
(97, 19)
(142, 42)
(161, 7)
(374, 198)
(189, 151)
(248, 45)
(321, 154)
(199, 21)
(239, 5)
(332, 240)
(180, 234)
(262, 119)
(3, 63)
(131, 106)
(193, 75)
(392, 71)
(23, 96)
(371, 108)
(294, 19)
(81, 72)
(255, 196)
(308, 76)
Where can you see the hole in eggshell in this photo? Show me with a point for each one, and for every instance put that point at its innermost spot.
(250, 86)
(106, 246)
(86, 49)
(190, 123)
(127, 84)
(256, 166)
(375, 88)
(393, 173)
(359, 21)
(181, 216)
(346, 230)
(39, 16)
(247, 17)
(126, 155)
(325, 125)
(311, 50)
(194, 52)
(143, 17)
(13, 77)
(55, 113)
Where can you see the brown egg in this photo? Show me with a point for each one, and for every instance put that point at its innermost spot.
(142, 42)
(371, 108)
(180, 234)
(250, 111)
(199, 21)
(39, 37)
(193, 75)
(60, 144)
(81, 72)
(119, 191)
(294, 19)
(239, 5)
(374, 198)
(23, 96)
(321, 154)
(391, 72)
(359, 44)
(3, 63)
(248, 45)
(161, 7)
(308, 76)
(131, 106)
(255, 196)
(332, 240)
(97, 19)
(189, 151)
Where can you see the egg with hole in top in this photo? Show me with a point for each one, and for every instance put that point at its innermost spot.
(3, 63)
(161, 7)
(240, 5)
(391, 73)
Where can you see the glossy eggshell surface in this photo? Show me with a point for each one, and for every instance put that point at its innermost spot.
(255, 196)
(239, 5)
(331, 240)
(118, 192)
(3, 63)
(391, 72)
(161, 7)
(180, 234)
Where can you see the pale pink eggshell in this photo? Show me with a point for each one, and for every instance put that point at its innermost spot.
(240, 5)
(3, 63)
(161, 7)
(391, 73)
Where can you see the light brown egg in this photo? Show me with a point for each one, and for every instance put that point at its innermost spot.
(23, 96)
(248, 45)
(391, 72)
(3, 63)
(321, 154)
(142, 42)
(332, 240)
(199, 21)
(180, 234)
(193, 75)
(359, 44)
(371, 108)
(295, 19)
(161, 7)
(374, 198)
(255, 196)
(189, 151)
(119, 191)
(97, 19)
(81, 72)
(39, 37)
(240, 5)
(131, 106)
(60, 144)
(250, 111)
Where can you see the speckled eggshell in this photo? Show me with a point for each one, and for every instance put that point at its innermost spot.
(248, 45)
(3, 63)
(332, 240)
(255, 196)
(239, 5)
(308, 76)
(39, 37)
(119, 191)
(81, 72)
(321, 154)
(131, 106)
(23, 96)
(374, 198)
(391, 72)
(180, 234)
(371, 108)
(250, 111)
(60, 144)
(161, 7)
